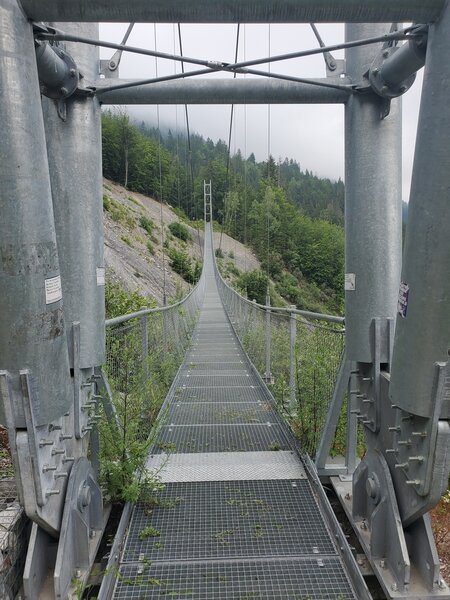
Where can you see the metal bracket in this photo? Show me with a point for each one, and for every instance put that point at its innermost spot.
(84, 400)
(58, 72)
(419, 453)
(385, 108)
(367, 393)
(41, 457)
(377, 82)
(61, 107)
(334, 67)
(405, 562)
(110, 68)
(58, 569)
(334, 412)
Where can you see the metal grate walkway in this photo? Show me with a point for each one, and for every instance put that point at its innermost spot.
(239, 517)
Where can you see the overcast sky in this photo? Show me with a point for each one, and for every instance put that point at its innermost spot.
(313, 135)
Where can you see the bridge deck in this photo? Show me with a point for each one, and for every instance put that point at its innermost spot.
(238, 517)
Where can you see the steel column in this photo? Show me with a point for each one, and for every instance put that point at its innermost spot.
(225, 91)
(74, 151)
(423, 326)
(32, 329)
(234, 11)
(372, 204)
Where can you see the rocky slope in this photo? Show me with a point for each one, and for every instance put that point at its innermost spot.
(134, 244)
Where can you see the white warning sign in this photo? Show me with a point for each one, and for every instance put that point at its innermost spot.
(53, 290)
(100, 276)
(350, 282)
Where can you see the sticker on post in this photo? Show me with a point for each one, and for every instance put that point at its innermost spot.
(403, 295)
(53, 290)
(350, 282)
(100, 276)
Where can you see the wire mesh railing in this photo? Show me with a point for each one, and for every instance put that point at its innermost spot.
(298, 353)
(145, 349)
(13, 532)
(143, 353)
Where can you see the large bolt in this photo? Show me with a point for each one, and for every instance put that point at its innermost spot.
(373, 488)
(84, 497)
(47, 468)
(43, 443)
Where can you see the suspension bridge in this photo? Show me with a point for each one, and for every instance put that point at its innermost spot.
(243, 513)
(246, 516)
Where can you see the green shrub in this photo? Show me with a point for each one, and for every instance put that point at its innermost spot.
(147, 224)
(106, 202)
(121, 214)
(119, 301)
(127, 241)
(254, 284)
(180, 231)
(232, 269)
(219, 253)
(182, 264)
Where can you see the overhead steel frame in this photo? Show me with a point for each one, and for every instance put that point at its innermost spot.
(49, 354)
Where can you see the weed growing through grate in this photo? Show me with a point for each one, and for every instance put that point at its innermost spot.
(147, 532)
(275, 446)
(222, 536)
(259, 531)
(167, 446)
(157, 502)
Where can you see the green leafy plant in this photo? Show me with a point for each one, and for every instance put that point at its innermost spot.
(180, 231)
(147, 532)
(147, 224)
(183, 265)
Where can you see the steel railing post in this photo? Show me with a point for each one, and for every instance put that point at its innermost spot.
(292, 359)
(268, 374)
(144, 346)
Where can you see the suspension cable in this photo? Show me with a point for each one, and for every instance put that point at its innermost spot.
(176, 127)
(268, 176)
(161, 214)
(193, 207)
(245, 164)
(229, 139)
